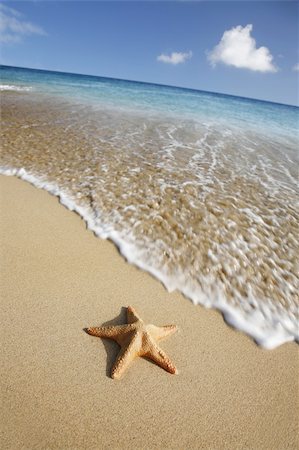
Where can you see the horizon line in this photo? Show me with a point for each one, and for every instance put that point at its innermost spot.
(154, 84)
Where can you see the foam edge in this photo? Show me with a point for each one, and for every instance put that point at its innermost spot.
(265, 334)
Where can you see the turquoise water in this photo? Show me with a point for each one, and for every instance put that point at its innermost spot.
(199, 189)
(258, 115)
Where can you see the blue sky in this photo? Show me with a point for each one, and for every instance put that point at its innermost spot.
(246, 48)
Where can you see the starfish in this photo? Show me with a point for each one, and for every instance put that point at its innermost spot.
(136, 339)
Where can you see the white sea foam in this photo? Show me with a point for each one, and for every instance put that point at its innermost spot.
(11, 87)
(207, 208)
(268, 327)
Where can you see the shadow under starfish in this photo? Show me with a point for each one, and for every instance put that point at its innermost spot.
(136, 339)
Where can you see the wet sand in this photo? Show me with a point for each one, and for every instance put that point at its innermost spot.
(56, 279)
(208, 217)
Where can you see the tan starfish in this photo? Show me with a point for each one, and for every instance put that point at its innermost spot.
(136, 339)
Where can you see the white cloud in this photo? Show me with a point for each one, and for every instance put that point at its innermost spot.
(238, 48)
(296, 67)
(13, 28)
(175, 57)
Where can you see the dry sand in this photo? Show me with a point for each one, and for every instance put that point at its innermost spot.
(57, 278)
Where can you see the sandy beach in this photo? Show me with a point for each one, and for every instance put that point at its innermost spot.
(56, 279)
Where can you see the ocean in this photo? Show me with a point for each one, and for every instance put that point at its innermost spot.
(199, 189)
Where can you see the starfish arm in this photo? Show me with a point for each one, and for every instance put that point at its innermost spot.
(159, 333)
(126, 356)
(110, 332)
(157, 355)
(132, 315)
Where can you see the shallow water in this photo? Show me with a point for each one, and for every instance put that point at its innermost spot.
(210, 208)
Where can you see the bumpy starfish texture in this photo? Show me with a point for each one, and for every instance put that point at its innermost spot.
(136, 339)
